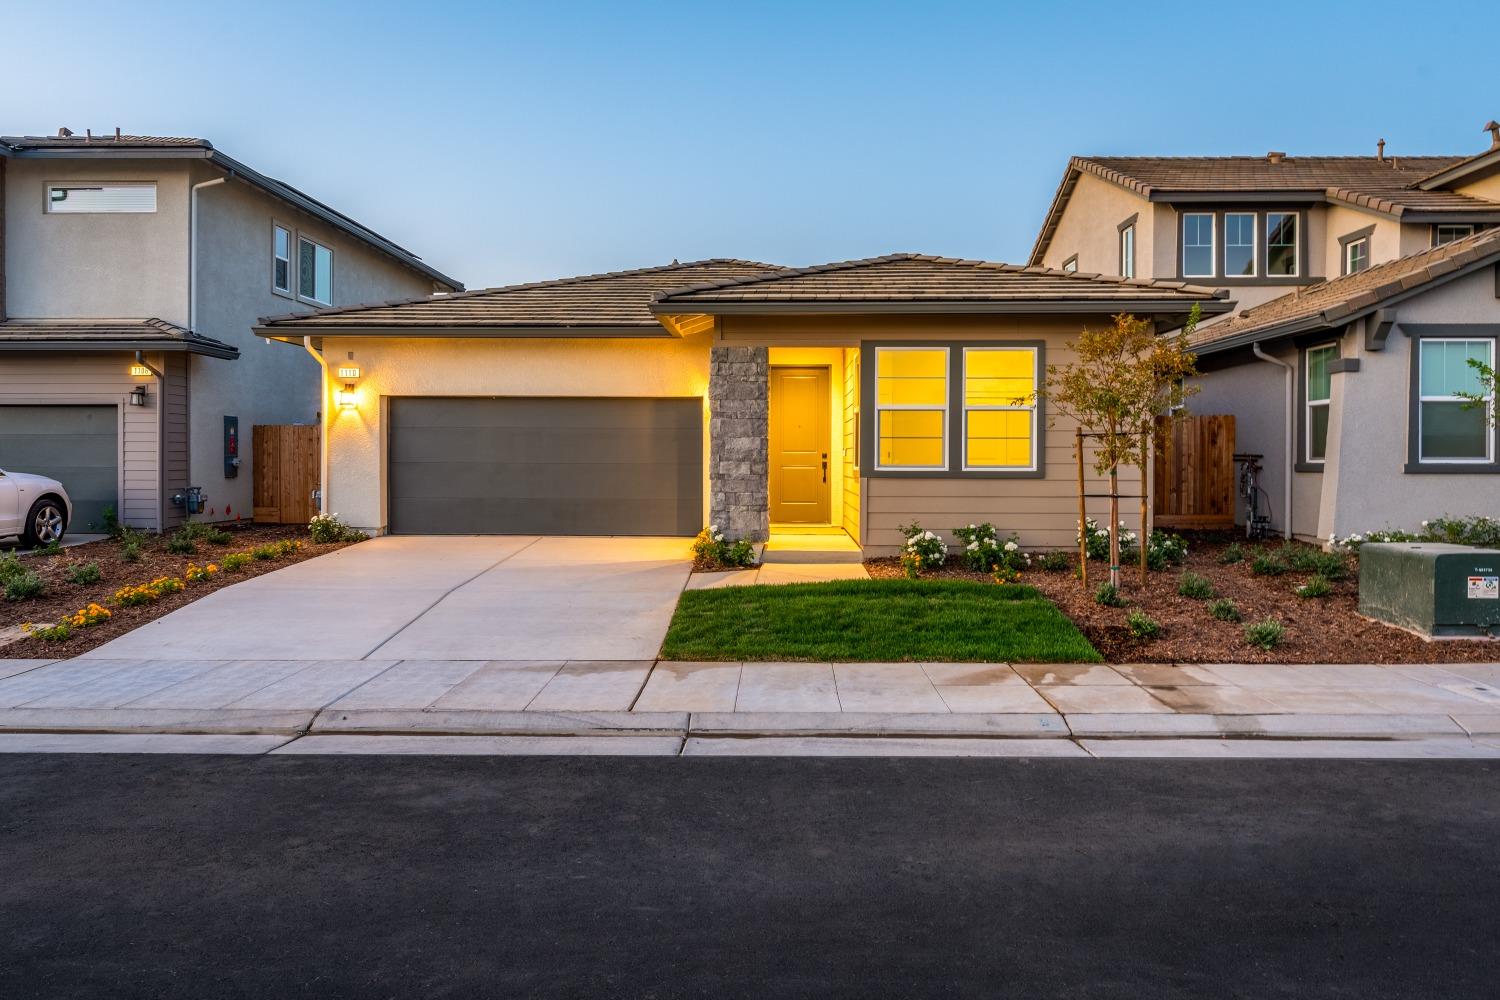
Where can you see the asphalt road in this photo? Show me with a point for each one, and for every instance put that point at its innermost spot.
(594, 877)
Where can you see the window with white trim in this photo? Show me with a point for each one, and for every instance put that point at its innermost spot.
(1239, 244)
(1198, 245)
(1000, 387)
(281, 260)
(1318, 392)
(1127, 252)
(1281, 244)
(1356, 255)
(1450, 429)
(314, 272)
(1071, 264)
(1448, 232)
(134, 198)
(911, 407)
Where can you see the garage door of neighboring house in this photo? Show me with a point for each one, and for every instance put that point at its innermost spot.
(546, 466)
(76, 445)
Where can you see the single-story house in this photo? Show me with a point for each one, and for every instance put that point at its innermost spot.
(1350, 391)
(852, 397)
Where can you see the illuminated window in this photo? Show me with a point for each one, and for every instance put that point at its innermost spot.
(1000, 407)
(911, 407)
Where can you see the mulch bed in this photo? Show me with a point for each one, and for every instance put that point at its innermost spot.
(1318, 630)
(61, 598)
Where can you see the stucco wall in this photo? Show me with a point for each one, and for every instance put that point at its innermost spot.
(61, 265)
(270, 383)
(1385, 241)
(414, 367)
(1090, 228)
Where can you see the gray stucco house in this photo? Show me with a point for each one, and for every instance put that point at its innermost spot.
(131, 271)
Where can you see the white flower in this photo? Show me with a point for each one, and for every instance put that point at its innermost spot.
(928, 534)
(1011, 546)
(973, 546)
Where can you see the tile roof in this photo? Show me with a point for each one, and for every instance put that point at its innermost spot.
(1343, 299)
(618, 300)
(917, 279)
(108, 334)
(181, 146)
(1392, 185)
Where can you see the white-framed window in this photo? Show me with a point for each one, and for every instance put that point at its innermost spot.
(1239, 244)
(1071, 264)
(1127, 252)
(1448, 232)
(911, 408)
(999, 402)
(1198, 245)
(114, 198)
(1318, 390)
(281, 260)
(314, 272)
(1449, 428)
(1356, 255)
(1281, 244)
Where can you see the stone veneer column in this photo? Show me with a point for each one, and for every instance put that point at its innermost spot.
(738, 428)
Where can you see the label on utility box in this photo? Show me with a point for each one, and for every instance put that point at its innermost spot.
(1484, 588)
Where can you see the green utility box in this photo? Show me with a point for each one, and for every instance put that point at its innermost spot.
(1435, 589)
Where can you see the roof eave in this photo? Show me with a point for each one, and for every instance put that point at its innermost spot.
(293, 332)
(1208, 306)
(1459, 171)
(211, 349)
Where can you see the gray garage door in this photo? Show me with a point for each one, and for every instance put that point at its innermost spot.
(532, 466)
(76, 445)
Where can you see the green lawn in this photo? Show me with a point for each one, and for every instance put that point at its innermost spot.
(874, 620)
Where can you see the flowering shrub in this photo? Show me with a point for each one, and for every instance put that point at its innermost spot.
(49, 633)
(980, 544)
(82, 618)
(145, 593)
(195, 573)
(711, 550)
(923, 550)
(236, 561)
(275, 550)
(91, 615)
(1165, 549)
(1096, 538)
(1480, 531)
(1005, 574)
(1353, 541)
(326, 528)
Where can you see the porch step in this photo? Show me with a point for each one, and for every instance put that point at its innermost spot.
(796, 547)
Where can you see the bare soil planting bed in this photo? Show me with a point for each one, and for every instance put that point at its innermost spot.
(61, 598)
(1317, 630)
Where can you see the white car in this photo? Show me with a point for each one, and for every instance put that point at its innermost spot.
(34, 509)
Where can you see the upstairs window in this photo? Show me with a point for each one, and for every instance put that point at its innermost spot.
(1281, 244)
(281, 260)
(1356, 255)
(103, 199)
(1127, 252)
(1449, 232)
(1450, 429)
(1319, 388)
(911, 407)
(1198, 245)
(1071, 264)
(1239, 244)
(1000, 407)
(314, 272)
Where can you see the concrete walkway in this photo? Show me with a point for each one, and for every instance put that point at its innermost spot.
(435, 597)
(405, 704)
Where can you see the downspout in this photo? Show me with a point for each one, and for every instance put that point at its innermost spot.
(1287, 420)
(193, 249)
(323, 431)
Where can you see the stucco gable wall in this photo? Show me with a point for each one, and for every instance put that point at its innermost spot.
(1089, 228)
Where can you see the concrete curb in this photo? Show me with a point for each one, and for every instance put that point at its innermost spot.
(215, 721)
(486, 723)
(894, 724)
(1318, 727)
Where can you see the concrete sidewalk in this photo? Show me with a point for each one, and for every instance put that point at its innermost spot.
(696, 708)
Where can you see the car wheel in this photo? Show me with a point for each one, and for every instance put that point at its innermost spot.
(45, 524)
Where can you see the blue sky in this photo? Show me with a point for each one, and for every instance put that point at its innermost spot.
(515, 142)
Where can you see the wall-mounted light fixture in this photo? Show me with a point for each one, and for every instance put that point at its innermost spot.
(138, 396)
(140, 371)
(349, 373)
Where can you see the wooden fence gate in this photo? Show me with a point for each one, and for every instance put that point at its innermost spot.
(1194, 473)
(286, 472)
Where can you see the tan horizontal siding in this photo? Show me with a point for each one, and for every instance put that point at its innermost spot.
(850, 485)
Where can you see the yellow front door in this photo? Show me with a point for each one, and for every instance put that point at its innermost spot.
(799, 446)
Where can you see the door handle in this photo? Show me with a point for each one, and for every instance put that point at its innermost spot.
(825, 466)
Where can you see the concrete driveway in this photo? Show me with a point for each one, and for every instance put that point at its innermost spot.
(437, 597)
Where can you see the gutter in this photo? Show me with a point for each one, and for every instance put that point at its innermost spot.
(1291, 459)
(322, 416)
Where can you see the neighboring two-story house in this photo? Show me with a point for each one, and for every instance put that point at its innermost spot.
(1363, 286)
(132, 269)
